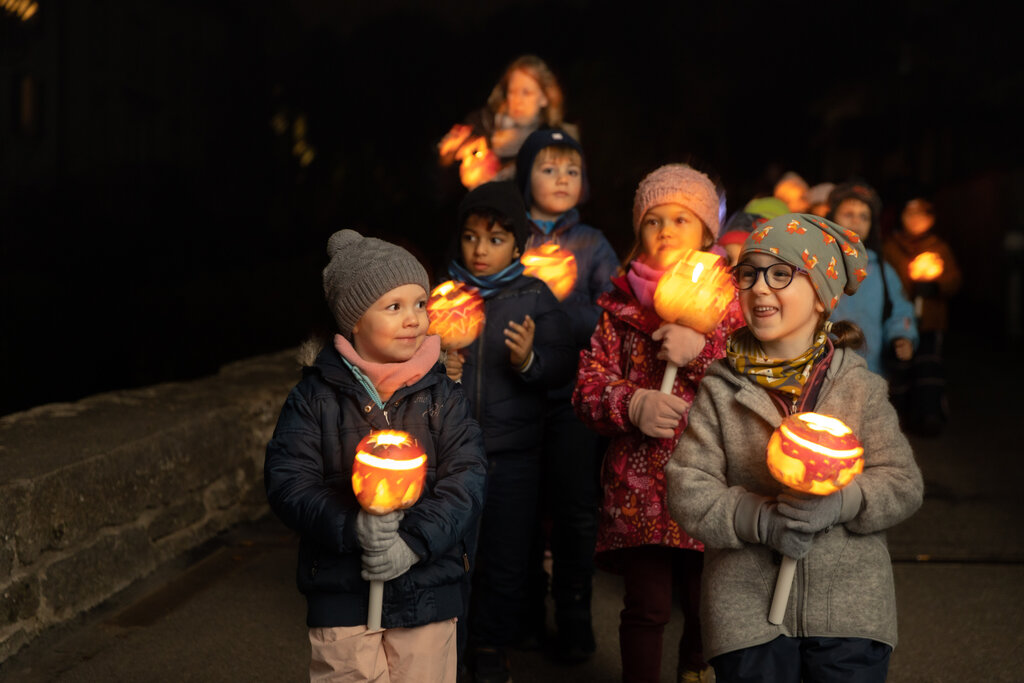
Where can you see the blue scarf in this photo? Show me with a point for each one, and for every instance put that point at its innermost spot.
(489, 285)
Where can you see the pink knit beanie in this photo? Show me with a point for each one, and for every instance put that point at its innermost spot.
(677, 184)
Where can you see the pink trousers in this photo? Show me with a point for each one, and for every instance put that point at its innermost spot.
(424, 654)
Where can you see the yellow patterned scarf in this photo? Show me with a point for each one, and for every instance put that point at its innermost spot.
(747, 357)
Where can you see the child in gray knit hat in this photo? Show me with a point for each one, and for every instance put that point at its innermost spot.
(381, 373)
(840, 621)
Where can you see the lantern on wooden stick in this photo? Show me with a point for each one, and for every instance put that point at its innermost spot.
(553, 264)
(388, 474)
(924, 267)
(816, 454)
(695, 292)
(479, 163)
(456, 312)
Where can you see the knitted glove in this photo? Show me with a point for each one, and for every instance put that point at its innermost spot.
(377, 532)
(679, 344)
(773, 530)
(811, 514)
(389, 563)
(656, 414)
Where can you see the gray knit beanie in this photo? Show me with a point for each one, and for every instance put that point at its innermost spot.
(677, 184)
(362, 270)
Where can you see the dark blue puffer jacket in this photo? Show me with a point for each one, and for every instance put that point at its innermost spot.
(308, 477)
(508, 404)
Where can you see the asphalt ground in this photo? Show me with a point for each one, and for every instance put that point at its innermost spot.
(230, 610)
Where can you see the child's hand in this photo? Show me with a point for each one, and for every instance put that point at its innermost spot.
(376, 533)
(903, 348)
(453, 363)
(519, 340)
(656, 414)
(679, 344)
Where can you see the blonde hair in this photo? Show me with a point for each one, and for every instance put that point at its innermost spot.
(558, 152)
(535, 68)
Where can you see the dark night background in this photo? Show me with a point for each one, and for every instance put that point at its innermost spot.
(159, 219)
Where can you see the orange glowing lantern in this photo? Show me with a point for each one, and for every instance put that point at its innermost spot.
(554, 265)
(456, 313)
(926, 266)
(695, 292)
(450, 144)
(388, 474)
(816, 454)
(479, 163)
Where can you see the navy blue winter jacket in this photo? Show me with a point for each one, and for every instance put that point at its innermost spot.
(508, 404)
(308, 477)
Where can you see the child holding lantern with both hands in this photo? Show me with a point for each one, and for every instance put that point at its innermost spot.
(840, 623)
(524, 350)
(382, 372)
(675, 209)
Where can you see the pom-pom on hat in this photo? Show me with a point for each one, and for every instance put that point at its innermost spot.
(362, 270)
(502, 198)
(532, 146)
(677, 184)
(833, 256)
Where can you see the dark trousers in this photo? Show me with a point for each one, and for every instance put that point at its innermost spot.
(649, 573)
(567, 523)
(811, 660)
(918, 386)
(506, 533)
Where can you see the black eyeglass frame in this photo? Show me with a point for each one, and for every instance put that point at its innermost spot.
(763, 272)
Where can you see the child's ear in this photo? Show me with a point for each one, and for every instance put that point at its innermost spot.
(515, 252)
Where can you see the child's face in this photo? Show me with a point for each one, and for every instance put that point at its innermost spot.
(783, 320)
(855, 215)
(916, 219)
(794, 194)
(666, 231)
(394, 327)
(556, 181)
(487, 249)
(524, 96)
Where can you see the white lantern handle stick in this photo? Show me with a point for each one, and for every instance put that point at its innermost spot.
(783, 584)
(669, 378)
(376, 605)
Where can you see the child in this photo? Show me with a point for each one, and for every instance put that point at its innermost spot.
(526, 97)
(675, 208)
(552, 177)
(382, 372)
(841, 618)
(926, 381)
(523, 351)
(881, 311)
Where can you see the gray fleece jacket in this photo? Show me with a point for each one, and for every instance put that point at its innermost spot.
(844, 586)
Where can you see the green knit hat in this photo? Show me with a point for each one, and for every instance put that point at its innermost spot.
(832, 255)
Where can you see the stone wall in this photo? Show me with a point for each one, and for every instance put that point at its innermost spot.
(96, 494)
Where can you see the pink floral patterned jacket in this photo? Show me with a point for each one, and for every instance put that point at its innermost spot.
(623, 358)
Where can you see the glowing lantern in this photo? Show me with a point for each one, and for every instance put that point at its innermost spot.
(926, 266)
(453, 141)
(816, 454)
(554, 265)
(388, 474)
(695, 292)
(479, 163)
(456, 313)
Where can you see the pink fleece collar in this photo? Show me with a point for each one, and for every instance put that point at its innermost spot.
(388, 378)
(643, 280)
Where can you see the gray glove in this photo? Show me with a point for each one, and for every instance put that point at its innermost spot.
(774, 531)
(812, 514)
(389, 563)
(377, 532)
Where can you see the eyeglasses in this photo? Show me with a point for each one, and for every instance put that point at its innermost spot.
(776, 276)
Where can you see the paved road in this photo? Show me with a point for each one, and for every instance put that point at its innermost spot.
(234, 615)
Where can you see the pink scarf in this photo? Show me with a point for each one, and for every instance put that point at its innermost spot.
(643, 280)
(388, 378)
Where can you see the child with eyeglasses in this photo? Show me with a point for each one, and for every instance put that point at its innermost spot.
(840, 622)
